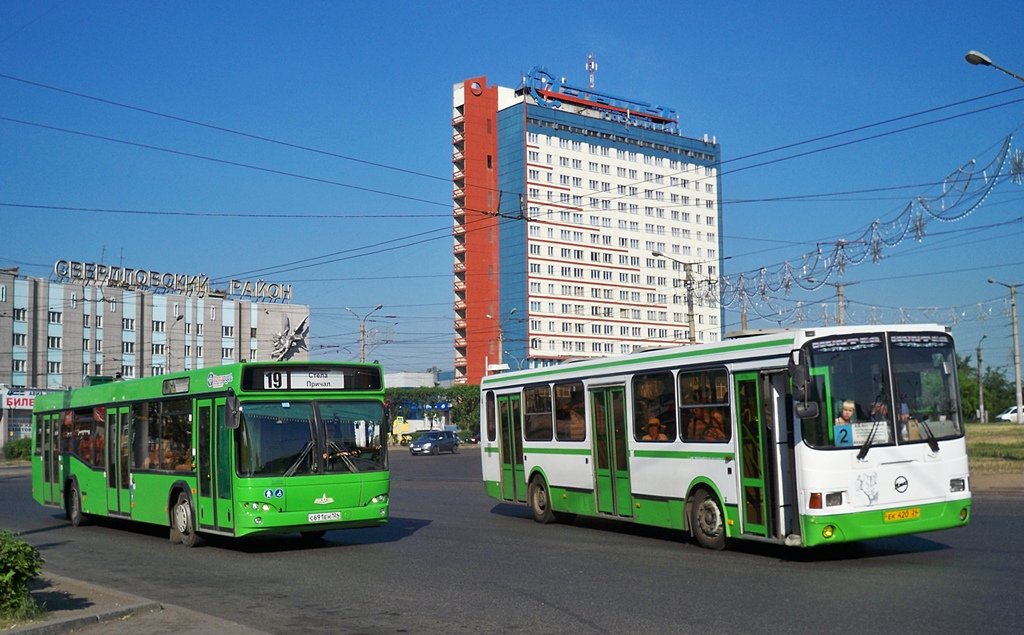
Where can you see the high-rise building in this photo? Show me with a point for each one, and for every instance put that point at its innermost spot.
(585, 225)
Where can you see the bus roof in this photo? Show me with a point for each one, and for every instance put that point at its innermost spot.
(744, 346)
(239, 377)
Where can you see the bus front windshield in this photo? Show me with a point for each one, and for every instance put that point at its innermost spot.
(302, 438)
(875, 390)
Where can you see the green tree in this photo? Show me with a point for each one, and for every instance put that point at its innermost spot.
(19, 449)
(999, 391)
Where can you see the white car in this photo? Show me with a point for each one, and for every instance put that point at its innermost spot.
(1010, 414)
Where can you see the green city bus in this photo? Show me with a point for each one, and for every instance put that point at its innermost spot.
(231, 450)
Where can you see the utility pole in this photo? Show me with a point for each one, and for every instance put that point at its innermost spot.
(1016, 343)
(981, 387)
(840, 286)
(688, 271)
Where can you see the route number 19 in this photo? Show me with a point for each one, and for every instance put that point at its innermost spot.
(274, 380)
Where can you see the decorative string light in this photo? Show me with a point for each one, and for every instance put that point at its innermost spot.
(963, 191)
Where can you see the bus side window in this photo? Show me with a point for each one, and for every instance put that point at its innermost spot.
(491, 429)
(570, 420)
(654, 404)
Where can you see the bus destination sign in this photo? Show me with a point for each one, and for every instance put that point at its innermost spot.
(303, 379)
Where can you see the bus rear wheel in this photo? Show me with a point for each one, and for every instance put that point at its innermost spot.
(540, 501)
(183, 526)
(707, 522)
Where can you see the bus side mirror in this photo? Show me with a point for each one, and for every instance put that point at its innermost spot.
(231, 410)
(801, 377)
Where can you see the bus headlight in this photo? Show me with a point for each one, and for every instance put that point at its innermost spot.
(833, 499)
(828, 531)
(381, 498)
(957, 484)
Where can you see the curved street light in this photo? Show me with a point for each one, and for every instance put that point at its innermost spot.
(362, 329)
(519, 362)
(980, 59)
(501, 334)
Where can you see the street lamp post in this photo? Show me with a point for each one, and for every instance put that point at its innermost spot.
(980, 59)
(1016, 342)
(362, 330)
(170, 346)
(688, 272)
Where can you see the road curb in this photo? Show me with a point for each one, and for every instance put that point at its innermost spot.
(69, 624)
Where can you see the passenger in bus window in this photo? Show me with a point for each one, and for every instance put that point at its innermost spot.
(879, 409)
(654, 432)
(99, 447)
(846, 413)
(715, 430)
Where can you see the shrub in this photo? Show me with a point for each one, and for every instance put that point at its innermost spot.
(20, 449)
(19, 563)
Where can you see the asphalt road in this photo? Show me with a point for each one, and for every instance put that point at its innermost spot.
(453, 560)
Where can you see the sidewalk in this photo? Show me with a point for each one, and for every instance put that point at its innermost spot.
(81, 607)
(998, 483)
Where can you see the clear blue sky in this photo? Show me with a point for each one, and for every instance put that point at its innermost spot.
(373, 82)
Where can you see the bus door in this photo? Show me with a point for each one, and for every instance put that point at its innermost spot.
(223, 451)
(510, 446)
(118, 478)
(754, 412)
(213, 465)
(50, 425)
(611, 463)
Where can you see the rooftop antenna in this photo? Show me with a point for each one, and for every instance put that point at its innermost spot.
(591, 68)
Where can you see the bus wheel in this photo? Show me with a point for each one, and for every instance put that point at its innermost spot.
(540, 501)
(74, 512)
(183, 526)
(707, 522)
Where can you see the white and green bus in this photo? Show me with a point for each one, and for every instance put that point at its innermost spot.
(799, 437)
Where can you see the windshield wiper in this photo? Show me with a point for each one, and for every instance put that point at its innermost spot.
(932, 442)
(302, 456)
(867, 442)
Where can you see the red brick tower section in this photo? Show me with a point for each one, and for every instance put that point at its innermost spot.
(475, 195)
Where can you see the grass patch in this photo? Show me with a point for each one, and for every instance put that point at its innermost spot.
(995, 448)
(25, 613)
